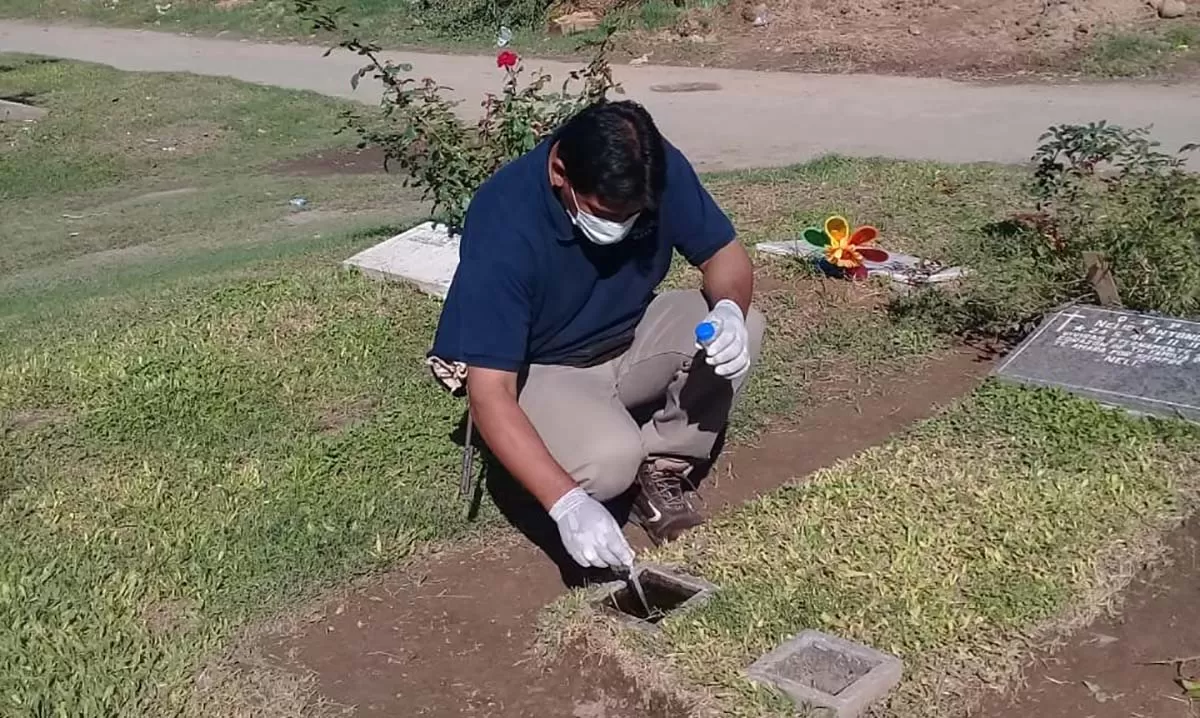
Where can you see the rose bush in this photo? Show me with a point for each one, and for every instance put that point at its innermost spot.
(425, 140)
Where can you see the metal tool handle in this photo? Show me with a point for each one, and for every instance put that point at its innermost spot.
(631, 579)
(468, 460)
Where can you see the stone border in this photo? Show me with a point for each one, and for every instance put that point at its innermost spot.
(849, 702)
(703, 591)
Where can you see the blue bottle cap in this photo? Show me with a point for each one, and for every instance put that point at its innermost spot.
(705, 331)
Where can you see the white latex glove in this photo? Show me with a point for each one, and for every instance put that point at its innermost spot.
(589, 532)
(729, 350)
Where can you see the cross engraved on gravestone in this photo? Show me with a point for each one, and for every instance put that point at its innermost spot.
(1142, 363)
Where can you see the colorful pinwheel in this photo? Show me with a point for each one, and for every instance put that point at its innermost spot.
(845, 249)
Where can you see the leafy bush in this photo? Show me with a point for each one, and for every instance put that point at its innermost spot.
(423, 137)
(1098, 188)
(458, 18)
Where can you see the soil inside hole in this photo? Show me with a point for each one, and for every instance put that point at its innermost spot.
(662, 596)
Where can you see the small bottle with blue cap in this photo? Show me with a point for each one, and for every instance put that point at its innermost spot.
(705, 333)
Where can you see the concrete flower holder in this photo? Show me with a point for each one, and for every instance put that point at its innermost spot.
(817, 670)
(668, 592)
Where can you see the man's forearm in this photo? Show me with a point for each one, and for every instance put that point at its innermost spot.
(511, 438)
(730, 275)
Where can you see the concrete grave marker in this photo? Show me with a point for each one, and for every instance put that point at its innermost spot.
(425, 256)
(817, 670)
(1142, 363)
(19, 112)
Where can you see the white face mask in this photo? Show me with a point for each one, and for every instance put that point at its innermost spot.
(598, 230)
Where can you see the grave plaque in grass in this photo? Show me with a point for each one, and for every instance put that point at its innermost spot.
(425, 256)
(1140, 362)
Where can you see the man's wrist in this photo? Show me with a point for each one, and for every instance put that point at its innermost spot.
(732, 305)
(567, 502)
(551, 492)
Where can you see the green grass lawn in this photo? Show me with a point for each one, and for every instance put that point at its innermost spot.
(1163, 49)
(200, 414)
(1012, 515)
(203, 419)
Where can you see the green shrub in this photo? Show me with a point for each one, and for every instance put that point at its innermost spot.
(458, 18)
(435, 150)
(1098, 188)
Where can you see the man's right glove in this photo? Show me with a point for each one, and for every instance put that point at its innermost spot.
(589, 532)
(729, 350)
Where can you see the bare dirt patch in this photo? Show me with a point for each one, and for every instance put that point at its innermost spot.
(453, 635)
(169, 616)
(250, 682)
(925, 37)
(1108, 670)
(184, 139)
(160, 195)
(314, 216)
(336, 417)
(340, 161)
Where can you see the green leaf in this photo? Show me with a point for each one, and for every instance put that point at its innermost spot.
(816, 237)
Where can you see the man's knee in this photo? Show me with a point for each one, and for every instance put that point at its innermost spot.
(609, 466)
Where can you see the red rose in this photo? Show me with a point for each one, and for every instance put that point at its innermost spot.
(507, 59)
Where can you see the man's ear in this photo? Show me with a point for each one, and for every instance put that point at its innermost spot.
(558, 171)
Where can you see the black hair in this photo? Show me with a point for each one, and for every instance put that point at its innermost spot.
(614, 151)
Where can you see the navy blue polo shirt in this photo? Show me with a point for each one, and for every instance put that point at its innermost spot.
(531, 289)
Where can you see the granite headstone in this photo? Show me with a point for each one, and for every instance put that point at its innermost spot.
(1144, 363)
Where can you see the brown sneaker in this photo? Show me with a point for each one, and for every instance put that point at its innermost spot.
(661, 508)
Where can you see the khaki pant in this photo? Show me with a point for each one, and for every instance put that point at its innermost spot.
(586, 416)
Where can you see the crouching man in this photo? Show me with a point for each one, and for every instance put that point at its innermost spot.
(583, 381)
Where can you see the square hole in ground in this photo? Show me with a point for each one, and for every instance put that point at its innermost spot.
(663, 595)
(824, 668)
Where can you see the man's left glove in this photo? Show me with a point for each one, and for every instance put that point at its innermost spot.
(729, 349)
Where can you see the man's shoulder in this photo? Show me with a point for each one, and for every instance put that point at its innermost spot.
(512, 186)
(674, 154)
(506, 208)
(679, 167)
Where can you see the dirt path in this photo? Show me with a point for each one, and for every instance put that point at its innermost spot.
(1100, 672)
(754, 119)
(452, 637)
